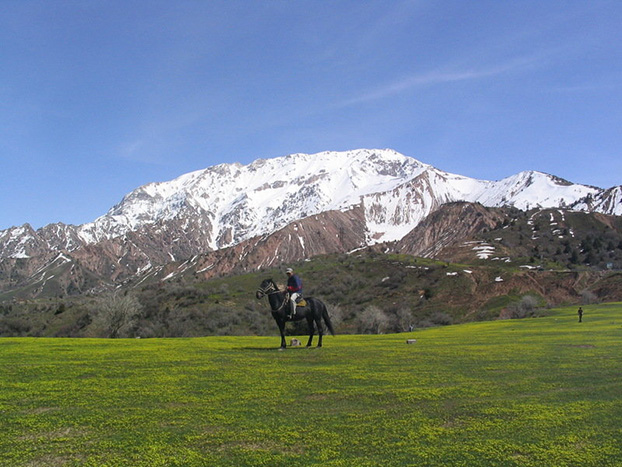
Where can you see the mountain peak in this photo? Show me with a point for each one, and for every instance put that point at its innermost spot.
(265, 195)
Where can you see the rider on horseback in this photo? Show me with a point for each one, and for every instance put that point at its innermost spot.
(294, 287)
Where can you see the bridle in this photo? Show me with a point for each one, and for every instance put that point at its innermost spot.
(270, 289)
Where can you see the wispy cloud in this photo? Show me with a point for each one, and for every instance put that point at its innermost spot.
(444, 76)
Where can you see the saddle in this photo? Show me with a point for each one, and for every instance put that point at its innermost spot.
(300, 302)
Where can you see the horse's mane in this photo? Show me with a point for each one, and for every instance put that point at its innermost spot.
(276, 286)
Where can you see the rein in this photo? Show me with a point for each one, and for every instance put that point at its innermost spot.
(271, 290)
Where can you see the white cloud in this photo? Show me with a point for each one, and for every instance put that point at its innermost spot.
(446, 75)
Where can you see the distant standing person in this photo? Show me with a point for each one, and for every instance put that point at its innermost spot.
(580, 313)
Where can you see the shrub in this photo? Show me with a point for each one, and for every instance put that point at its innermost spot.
(522, 309)
(115, 315)
(588, 297)
(373, 320)
(14, 327)
(400, 319)
(441, 318)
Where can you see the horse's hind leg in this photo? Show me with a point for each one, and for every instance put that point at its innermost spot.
(320, 331)
(311, 331)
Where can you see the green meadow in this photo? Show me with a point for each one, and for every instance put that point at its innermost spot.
(532, 392)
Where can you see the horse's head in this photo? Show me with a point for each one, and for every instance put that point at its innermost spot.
(267, 286)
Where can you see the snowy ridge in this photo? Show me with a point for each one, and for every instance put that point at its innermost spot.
(528, 190)
(239, 202)
(245, 201)
(15, 241)
(607, 201)
(226, 204)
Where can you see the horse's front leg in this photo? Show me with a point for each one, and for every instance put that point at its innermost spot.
(282, 331)
(311, 330)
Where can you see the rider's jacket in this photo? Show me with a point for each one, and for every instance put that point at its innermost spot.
(294, 284)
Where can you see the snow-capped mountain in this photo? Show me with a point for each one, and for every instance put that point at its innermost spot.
(227, 204)
(237, 202)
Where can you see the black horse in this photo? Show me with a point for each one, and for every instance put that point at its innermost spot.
(314, 310)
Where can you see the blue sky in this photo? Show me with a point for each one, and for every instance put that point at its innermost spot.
(99, 97)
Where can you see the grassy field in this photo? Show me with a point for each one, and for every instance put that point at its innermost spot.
(534, 392)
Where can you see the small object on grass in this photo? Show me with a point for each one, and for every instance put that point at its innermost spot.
(295, 342)
(411, 341)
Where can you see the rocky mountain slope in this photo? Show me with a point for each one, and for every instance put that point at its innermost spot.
(267, 212)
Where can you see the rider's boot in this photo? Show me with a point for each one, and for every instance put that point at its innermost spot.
(292, 309)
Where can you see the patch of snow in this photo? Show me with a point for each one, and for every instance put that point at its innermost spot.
(207, 268)
(170, 276)
(484, 251)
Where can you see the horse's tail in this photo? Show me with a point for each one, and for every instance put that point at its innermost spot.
(329, 325)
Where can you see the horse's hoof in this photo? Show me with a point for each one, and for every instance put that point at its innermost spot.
(281, 349)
